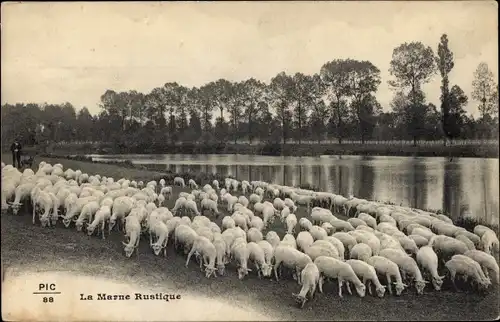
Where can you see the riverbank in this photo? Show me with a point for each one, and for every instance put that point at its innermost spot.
(425, 149)
(27, 245)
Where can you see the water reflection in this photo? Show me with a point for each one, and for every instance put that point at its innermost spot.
(426, 183)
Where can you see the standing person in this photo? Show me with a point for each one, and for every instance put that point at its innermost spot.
(16, 153)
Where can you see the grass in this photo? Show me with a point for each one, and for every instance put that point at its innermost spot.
(24, 244)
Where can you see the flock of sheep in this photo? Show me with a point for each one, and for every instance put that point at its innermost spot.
(407, 247)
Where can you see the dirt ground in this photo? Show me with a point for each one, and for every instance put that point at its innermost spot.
(29, 246)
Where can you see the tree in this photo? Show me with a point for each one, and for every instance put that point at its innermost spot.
(317, 121)
(412, 65)
(338, 87)
(303, 95)
(282, 87)
(85, 124)
(484, 89)
(364, 79)
(445, 64)
(254, 97)
(455, 119)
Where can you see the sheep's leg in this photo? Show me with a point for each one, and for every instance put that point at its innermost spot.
(34, 213)
(299, 280)
(340, 287)
(102, 229)
(276, 265)
(313, 290)
(452, 277)
(389, 288)
(348, 287)
(258, 270)
(368, 285)
(189, 256)
(320, 283)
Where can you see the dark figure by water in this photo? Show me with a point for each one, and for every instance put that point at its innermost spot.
(16, 153)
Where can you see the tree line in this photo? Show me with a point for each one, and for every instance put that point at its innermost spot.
(337, 103)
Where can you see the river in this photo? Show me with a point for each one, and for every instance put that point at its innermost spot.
(457, 186)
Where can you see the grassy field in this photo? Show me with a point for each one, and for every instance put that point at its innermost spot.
(24, 244)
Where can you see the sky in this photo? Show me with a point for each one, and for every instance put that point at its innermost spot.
(75, 51)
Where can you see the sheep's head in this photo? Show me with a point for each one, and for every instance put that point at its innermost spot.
(15, 207)
(90, 229)
(266, 269)
(220, 268)
(381, 291)
(129, 250)
(361, 289)
(66, 222)
(420, 285)
(399, 287)
(53, 218)
(156, 248)
(242, 272)
(112, 223)
(79, 225)
(209, 270)
(437, 282)
(301, 300)
(44, 220)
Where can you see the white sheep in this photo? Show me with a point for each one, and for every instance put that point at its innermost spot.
(257, 256)
(208, 252)
(346, 239)
(291, 222)
(254, 235)
(184, 236)
(428, 260)
(388, 268)
(289, 240)
(160, 231)
(221, 250)
(322, 249)
(489, 242)
(304, 240)
(178, 181)
(361, 251)
(87, 213)
(487, 262)
(318, 233)
(100, 218)
(21, 193)
(407, 265)
(121, 208)
(44, 202)
(333, 268)
(368, 275)
(240, 253)
(273, 238)
(419, 240)
(132, 232)
(310, 279)
(208, 204)
(305, 223)
(268, 250)
(240, 220)
(464, 239)
(215, 183)
(291, 258)
(466, 269)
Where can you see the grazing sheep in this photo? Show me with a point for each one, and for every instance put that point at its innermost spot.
(254, 235)
(240, 253)
(318, 233)
(100, 218)
(178, 181)
(291, 258)
(487, 262)
(346, 239)
(184, 236)
(207, 250)
(257, 256)
(427, 259)
(419, 240)
(304, 240)
(388, 268)
(466, 269)
(361, 251)
(368, 275)
(291, 222)
(133, 232)
(336, 269)
(273, 238)
(310, 279)
(407, 265)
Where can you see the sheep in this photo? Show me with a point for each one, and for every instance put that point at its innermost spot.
(215, 183)
(254, 198)
(184, 236)
(322, 249)
(87, 214)
(446, 246)
(369, 220)
(419, 240)
(489, 242)
(479, 230)
(268, 250)
(254, 235)
(427, 259)
(192, 184)
(191, 206)
(43, 200)
(243, 200)
(467, 269)
(241, 254)
(289, 240)
(368, 238)
(230, 235)
(257, 222)
(368, 274)
(310, 279)
(471, 236)
(267, 215)
(21, 192)
(304, 240)
(407, 266)
(75, 209)
(208, 252)
(360, 251)
(208, 204)
(346, 239)
(290, 204)
(273, 238)
(291, 258)
(101, 216)
(160, 230)
(228, 222)
(305, 223)
(284, 213)
(179, 204)
(355, 222)
(240, 220)
(178, 181)
(132, 231)
(221, 252)
(333, 268)
(487, 262)
(388, 268)
(257, 256)
(291, 222)
(318, 233)
(121, 208)
(421, 231)
(408, 244)
(464, 239)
